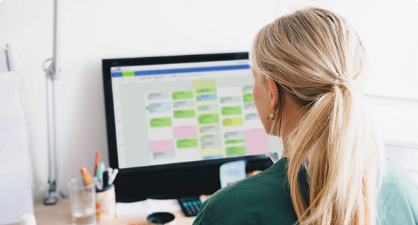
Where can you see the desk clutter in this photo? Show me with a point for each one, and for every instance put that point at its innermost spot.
(100, 203)
(106, 208)
(103, 178)
(104, 199)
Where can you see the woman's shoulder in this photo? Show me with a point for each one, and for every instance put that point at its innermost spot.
(254, 200)
(255, 186)
(396, 177)
(398, 195)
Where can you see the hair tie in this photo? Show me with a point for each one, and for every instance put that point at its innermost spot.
(344, 78)
(335, 83)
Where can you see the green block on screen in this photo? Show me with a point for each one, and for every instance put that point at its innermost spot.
(182, 95)
(184, 114)
(235, 141)
(206, 90)
(248, 97)
(235, 150)
(231, 110)
(208, 118)
(187, 143)
(160, 122)
(128, 74)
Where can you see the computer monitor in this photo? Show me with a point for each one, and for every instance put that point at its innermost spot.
(172, 121)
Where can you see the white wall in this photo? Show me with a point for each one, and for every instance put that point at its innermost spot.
(389, 30)
(90, 30)
(27, 27)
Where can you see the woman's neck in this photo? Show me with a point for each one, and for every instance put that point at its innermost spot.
(291, 115)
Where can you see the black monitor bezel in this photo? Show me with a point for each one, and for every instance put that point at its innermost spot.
(110, 116)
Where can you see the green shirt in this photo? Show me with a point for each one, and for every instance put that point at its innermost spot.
(265, 199)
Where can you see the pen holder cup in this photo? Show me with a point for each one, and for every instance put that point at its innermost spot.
(105, 204)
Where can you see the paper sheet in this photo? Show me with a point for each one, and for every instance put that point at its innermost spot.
(232, 172)
(15, 169)
(146, 207)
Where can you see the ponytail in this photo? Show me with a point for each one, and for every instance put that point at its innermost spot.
(317, 56)
(337, 150)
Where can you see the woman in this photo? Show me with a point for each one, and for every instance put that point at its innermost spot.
(308, 70)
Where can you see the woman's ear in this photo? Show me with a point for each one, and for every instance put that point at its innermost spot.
(273, 94)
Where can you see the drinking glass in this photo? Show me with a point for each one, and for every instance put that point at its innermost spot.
(83, 201)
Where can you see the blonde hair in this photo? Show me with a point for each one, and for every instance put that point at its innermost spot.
(317, 57)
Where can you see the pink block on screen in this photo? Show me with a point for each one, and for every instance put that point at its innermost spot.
(185, 132)
(256, 141)
(161, 146)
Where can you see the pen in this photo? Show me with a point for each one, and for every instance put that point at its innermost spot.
(97, 162)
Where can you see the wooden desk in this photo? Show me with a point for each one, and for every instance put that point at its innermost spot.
(60, 214)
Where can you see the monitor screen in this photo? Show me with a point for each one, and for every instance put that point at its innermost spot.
(182, 112)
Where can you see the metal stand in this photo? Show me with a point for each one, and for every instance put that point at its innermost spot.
(51, 198)
(50, 72)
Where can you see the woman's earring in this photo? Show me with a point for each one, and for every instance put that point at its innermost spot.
(272, 116)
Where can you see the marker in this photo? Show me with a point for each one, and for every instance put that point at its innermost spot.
(113, 176)
(105, 179)
(98, 185)
(97, 162)
(86, 175)
(100, 170)
(110, 171)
